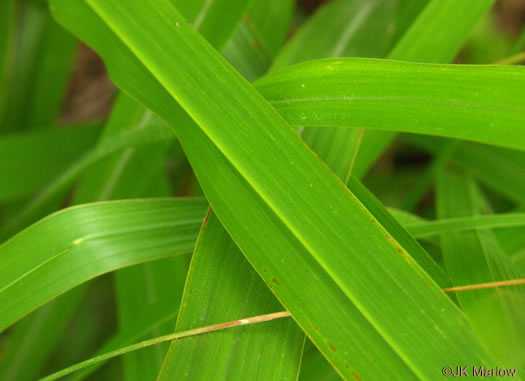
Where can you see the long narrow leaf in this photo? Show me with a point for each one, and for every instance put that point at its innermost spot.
(475, 257)
(478, 103)
(275, 197)
(435, 37)
(214, 294)
(79, 243)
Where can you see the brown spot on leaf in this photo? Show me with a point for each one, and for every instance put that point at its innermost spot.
(356, 376)
(207, 215)
(275, 281)
(332, 347)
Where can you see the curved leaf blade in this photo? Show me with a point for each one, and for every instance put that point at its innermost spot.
(79, 243)
(479, 103)
(256, 157)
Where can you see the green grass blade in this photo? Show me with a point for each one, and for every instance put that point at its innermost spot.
(435, 37)
(336, 146)
(212, 295)
(420, 188)
(79, 243)
(269, 22)
(478, 103)
(272, 351)
(503, 173)
(7, 16)
(428, 28)
(260, 35)
(338, 29)
(272, 192)
(151, 319)
(33, 338)
(401, 235)
(29, 160)
(39, 70)
(148, 129)
(136, 287)
(475, 257)
(511, 239)
(140, 286)
(424, 228)
(216, 20)
(111, 178)
(174, 336)
(314, 366)
(478, 107)
(328, 34)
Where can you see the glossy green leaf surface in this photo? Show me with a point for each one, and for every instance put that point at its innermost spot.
(479, 103)
(213, 295)
(82, 242)
(435, 37)
(273, 201)
(340, 28)
(212, 292)
(494, 116)
(156, 131)
(113, 178)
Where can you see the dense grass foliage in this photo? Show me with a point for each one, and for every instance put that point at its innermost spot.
(275, 192)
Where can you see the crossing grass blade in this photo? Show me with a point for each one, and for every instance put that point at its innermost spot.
(476, 257)
(259, 37)
(479, 103)
(115, 178)
(434, 37)
(37, 207)
(212, 295)
(272, 183)
(80, 243)
(150, 320)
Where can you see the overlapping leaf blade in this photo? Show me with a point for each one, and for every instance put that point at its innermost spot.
(271, 209)
(79, 243)
(476, 257)
(481, 103)
(435, 37)
(221, 287)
